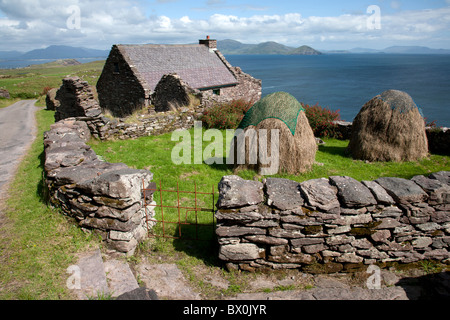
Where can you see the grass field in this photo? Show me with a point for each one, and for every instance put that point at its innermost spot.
(29, 82)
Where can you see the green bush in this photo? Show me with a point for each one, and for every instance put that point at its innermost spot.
(321, 121)
(226, 115)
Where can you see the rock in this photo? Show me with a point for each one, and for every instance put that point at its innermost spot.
(339, 240)
(140, 293)
(238, 217)
(381, 236)
(429, 226)
(351, 220)
(240, 252)
(350, 258)
(402, 190)
(352, 193)
(438, 191)
(387, 223)
(283, 194)
(422, 242)
(50, 99)
(306, 241)
(235, 192)
(4, 94)
(379, 193)
(442, 176)
(320, 194)
(300, 258)
(234, 231)
(119, 184)
(273, 241)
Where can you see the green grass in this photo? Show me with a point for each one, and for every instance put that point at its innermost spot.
(154, 154)
(29, 82)
(37, 243)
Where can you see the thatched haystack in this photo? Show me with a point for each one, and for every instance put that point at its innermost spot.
(295, 142)
(390, 127)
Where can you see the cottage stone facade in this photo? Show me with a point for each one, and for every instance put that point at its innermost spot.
(132, 72)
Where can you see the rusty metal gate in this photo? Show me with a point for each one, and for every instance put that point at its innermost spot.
(180, 218)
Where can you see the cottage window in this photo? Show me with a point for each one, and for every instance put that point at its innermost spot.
(116, 67)
(216, 91)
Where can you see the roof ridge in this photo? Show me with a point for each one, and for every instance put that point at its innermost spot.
(161, 45)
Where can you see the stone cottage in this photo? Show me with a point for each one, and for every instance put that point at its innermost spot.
(132, 72)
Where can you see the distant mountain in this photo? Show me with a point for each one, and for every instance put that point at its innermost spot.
(229, 46)
(270, 47)
(364, 50)
(64, 52)
(415, 50)
(235, 47)
(402, 50)
(305, 50)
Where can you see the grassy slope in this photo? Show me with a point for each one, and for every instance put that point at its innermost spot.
(29, 82)
(37, 243)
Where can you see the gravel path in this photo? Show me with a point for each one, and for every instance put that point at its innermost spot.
(17, 132)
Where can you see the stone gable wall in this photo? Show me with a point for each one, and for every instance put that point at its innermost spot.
(119, 86)
(332, 225)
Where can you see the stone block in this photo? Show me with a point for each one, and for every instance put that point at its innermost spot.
(283, 194)
(402, 190)
(319, 193)
(352, 193)
(240, 252)
(235, 192)
(379, 193)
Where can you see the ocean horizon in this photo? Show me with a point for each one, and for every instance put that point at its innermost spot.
(345, 82)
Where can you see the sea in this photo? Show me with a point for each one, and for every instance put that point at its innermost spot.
(345, 82)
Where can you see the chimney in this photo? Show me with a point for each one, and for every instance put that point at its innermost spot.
(210, 43)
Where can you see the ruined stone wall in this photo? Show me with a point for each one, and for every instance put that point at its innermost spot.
(248, 88)
(76, 99)
(332, 225)
(104, 198)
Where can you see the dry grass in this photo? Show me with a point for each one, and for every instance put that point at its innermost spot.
(383, 133)
(296, 153)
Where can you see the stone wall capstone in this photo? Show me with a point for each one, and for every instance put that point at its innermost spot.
(102, 197)
(332, 225)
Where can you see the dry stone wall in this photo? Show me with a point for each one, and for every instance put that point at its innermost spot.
(106, 198)
(75, 99)
(332, 225)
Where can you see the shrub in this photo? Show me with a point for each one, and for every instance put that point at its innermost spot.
(45, 90)
(321, 121)
(226, 115)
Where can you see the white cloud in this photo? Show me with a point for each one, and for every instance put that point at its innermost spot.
(29, 24)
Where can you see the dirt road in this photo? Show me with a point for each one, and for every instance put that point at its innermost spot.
(17, 132)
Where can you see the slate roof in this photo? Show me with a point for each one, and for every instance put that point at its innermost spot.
(195, 64)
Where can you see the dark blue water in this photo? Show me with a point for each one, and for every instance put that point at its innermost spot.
(346, 82)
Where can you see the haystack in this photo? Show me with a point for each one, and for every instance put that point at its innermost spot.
(390, 127)
(296, 144)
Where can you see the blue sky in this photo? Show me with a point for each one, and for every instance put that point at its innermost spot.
(322, 24)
